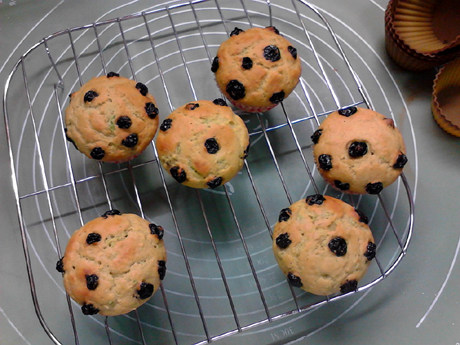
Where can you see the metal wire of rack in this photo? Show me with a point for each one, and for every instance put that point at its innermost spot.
(171, 49)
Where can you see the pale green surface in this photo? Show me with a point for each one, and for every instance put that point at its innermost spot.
(389, 313)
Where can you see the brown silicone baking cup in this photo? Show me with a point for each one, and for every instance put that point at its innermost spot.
(445, 103)
(422, 34)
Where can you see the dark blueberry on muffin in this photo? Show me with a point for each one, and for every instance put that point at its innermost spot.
(142, 89)
(349, 286)
(156, 230)
(89, 309)
(235, 89)
(220, 101)
(161, 269)
(93, 237)
(283, 241)
(192, 106)
(236, 31)
(325, 162)
(246, 63)
(370, 251)
(112, 74)
(130, 140)
(348, 111)
(272, 53)
(374, 188)
(211, 145)
(124, 122)
(215, 65)
(400, 162)
(294, 280)
(293, 51)
(285, 214)
(357, 149)
(341, 185)
(275, 30)
(338, 246)
(145, 290)
(92, 281)
(277, 97)
(89, 96)
(97, 153)
(315, 136)
(60, 266)
(315, 199)
(362, 217)
(166, 124)
(151, 110)
(214, 183)
(111, 213)
(178, 174)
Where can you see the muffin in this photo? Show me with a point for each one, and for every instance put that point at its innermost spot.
(256, 69)
(323, 245)
(114, 263)
(111, 118)
(359, 151)
(203, 144)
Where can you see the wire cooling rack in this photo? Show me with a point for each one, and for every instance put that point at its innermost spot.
(222, 278)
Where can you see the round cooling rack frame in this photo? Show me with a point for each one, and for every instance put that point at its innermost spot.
(57, 189)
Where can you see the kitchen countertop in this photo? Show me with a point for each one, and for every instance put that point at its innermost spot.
(417, 304)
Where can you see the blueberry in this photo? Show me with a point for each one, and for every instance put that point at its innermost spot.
(284, 215)
(192, 106)
(374, 188)
(112, 74)
(215, 182)
(294, 280)
(362, 217)
(130, 140)
(400, 162)
(275, 30)
(293, 51)
(97, 153)
(111, 213)
(92, 281)
(272, 53)
(277, 97)
(357, 149)
(145, 290)
(315, 136)
(370, 251)
(348, 286)
(178, 174)
(341, 185)
(69, 139)
(93, 237)
(283, 241)
(325, 162)
(89, 309)
(211, 145)
(317, 199)
(162, 269)
(156, 230)
(348, 111)
(220, 101)
(90, 95)
(338, 246)
(151, 110)
(124, 122)
(235, 89)
(246, 63)
(236, 31)
(142, 89)
(166, 125)
(215, 65)
(60, 265)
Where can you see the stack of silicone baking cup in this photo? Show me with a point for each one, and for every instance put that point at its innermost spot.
(422, 34)
(445, 103)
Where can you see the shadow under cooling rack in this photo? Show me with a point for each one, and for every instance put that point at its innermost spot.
(222, 278)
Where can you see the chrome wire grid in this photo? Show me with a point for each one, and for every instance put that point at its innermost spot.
(222, 278)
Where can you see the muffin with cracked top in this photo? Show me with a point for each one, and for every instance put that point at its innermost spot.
(323, 245)
(114, 263)
(203, 144)
(359, 151)
(111, 118)
(256, 69)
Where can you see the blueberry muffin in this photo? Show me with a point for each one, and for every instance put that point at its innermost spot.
(111, 118)
(114, 263)
(203, 144)
(323, 245)
(359, 151)
(256, 69)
